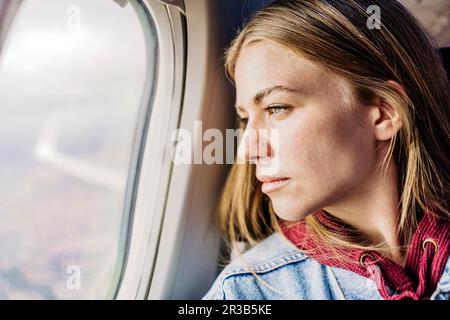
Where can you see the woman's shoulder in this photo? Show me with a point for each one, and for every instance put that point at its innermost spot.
(270, 253)
(265, 258)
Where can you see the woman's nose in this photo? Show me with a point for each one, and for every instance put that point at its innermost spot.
(255, 145)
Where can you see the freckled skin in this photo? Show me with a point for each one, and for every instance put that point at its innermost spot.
(327, 154)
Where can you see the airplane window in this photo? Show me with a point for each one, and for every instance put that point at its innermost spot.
(73, 77)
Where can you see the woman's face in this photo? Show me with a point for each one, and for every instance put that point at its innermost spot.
(325, 153)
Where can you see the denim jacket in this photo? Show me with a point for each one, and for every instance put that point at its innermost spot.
(284, 272)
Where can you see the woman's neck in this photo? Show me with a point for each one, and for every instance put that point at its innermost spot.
(373, 210)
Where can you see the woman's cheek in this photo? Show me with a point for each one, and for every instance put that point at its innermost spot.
(297, 151)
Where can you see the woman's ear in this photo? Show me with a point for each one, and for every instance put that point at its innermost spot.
(384, 117)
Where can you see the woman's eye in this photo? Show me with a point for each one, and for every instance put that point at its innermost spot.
(274, 110)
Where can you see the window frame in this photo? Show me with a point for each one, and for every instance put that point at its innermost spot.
(149, 179)
(190, 241)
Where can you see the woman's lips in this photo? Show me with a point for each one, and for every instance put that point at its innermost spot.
(270, 186)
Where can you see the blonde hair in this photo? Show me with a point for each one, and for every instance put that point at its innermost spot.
(333, 34)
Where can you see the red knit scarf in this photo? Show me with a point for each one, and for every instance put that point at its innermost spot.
(425, 259)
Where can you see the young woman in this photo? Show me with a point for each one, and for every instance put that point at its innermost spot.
(350, 199)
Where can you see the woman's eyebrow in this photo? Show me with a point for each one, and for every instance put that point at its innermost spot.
(268, 91)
